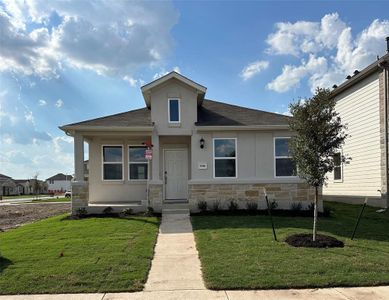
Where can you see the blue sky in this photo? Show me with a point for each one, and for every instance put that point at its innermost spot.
(67, 61)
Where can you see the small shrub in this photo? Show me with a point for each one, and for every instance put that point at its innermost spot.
(233, 206)
(202, 205)
(326, 211)
(252, 206)
(81, 212)
(311, 206)
(273, 205)
(108, 210)
(216, 206)
(296, 207)
(127, 211)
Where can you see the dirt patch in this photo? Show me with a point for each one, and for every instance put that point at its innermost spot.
(305, 240)
(12, 216)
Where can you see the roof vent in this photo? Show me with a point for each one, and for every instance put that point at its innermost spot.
(334, 86)
(356, 72)
(348, 77)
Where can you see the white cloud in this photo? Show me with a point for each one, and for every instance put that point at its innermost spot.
(85, 35)
(59, 103)
(253, 69)
(133, 82)
(163, 72)
(329, 47)
(42, 102)
(291, 76)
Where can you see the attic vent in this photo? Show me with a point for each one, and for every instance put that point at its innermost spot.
(348, 77)
(334, 86)
(356, 72)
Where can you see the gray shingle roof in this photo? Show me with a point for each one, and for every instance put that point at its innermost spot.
(137, 117)
(213, 113)
(60, 176)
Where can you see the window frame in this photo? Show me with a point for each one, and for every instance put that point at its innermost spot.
(214, 158)
(341, 169)
(129, 164)
(103, 162)
(276, 157)
(179, 110)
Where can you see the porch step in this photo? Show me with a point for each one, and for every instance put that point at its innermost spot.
(176, 211)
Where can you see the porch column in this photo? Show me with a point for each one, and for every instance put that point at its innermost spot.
(155, 161)
(78, 157)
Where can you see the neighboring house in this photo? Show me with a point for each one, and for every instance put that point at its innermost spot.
(24, 186)
(38, 186)
(202, 150)
(7, 186)
(59, 183)
(362, 102)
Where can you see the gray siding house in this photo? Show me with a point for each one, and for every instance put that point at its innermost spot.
(183, 148)
(362, 102)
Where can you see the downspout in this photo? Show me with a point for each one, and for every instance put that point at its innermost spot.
(385, 70)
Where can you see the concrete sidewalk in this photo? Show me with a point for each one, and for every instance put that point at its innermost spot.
(362, 293)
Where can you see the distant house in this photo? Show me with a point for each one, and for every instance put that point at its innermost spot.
(59, 183)
(362, 102)
(7, 186)
(23, 186)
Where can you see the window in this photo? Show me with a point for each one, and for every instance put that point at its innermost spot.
(112, 163)
(224, 153)
(174, 111)
(137, 163)
(337, 166)
(284, 166)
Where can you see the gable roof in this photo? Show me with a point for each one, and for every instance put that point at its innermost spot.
(213, 113)
(201, 90)
(133, 118)
(60, 176)
(370, 69)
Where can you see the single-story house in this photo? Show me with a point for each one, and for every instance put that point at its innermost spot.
(363, 105)
(24, 186)
(59, 183)
(184, 148)
(7, 186)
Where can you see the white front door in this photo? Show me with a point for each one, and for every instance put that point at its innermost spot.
(176, 174)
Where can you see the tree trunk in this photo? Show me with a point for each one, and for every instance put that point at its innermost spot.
(315, 214)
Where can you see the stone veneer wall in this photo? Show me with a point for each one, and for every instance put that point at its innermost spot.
(383, 140)
(155, 196)
(283, 193)
(80, 195)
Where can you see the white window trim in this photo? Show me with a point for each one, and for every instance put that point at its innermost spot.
(275, 157)
(118, 163)
(215, 158)
(179, 110)
(129, 163)
(341, 170)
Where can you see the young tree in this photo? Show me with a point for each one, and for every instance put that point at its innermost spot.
(36, 185)
(320, 135)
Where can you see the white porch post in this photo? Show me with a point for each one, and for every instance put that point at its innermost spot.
(78, 157)
(155, 162)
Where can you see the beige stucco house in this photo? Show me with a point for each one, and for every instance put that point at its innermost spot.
(362, 102)
(183, 148)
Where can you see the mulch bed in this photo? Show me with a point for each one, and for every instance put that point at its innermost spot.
(305, 240)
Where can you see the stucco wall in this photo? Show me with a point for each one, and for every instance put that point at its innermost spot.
(59, 185)
(126, 190)
(359, 109)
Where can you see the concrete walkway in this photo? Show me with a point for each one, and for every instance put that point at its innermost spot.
(176, 274)
(176, 265)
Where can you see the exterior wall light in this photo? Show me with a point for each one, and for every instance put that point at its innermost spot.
(202, 142)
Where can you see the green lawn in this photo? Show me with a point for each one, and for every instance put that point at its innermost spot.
(23, 196)
(239, 251)
(99, 255)
(54, 199)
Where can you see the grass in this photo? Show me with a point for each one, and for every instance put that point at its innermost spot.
(23, 196)
(238, 252)
(54, 199)
(99, 255)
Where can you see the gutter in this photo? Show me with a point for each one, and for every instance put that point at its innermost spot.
(69, 130)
